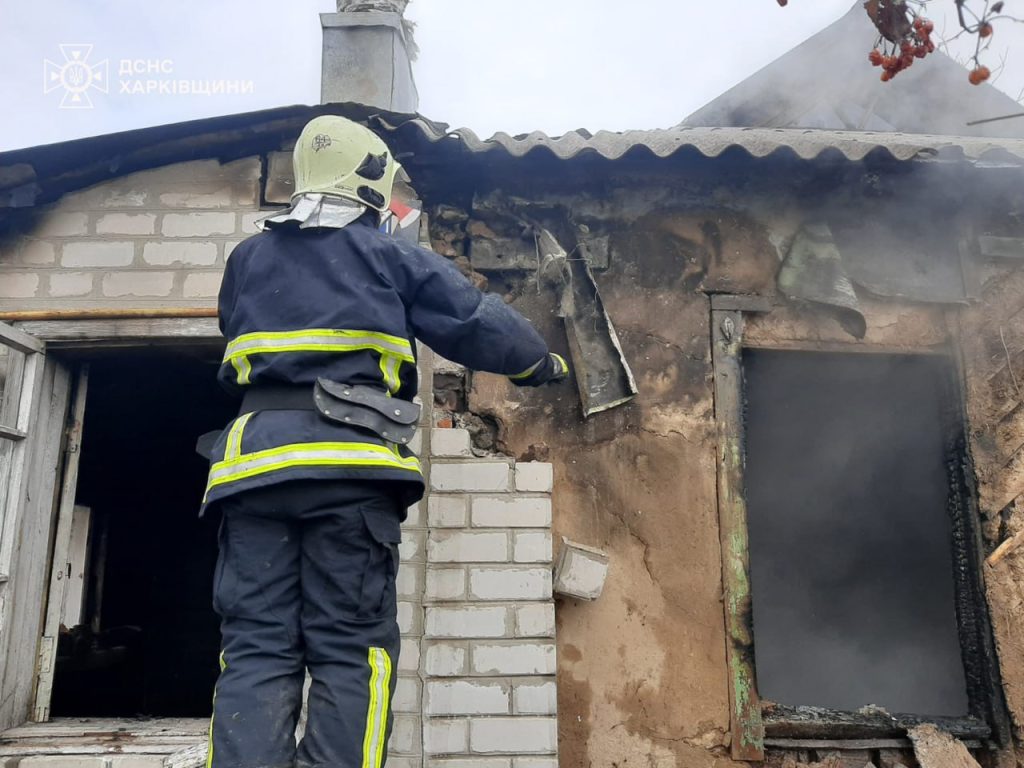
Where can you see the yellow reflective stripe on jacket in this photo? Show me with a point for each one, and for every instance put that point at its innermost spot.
(233, 448)
(390, 367)
(309, 455)
(377, 710)
(242, 369)
(529, 371)
(395, 348)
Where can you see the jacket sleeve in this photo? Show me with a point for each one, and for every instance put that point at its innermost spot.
(478, 330)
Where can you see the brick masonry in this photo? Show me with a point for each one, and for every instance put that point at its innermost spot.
(488, 661)
(476, 681)
(157, 238)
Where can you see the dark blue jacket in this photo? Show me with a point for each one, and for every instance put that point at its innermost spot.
(347, 304)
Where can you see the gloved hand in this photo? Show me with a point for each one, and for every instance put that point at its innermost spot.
(548, 369)
(560, 368)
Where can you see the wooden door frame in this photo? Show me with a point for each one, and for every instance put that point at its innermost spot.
(21, 659)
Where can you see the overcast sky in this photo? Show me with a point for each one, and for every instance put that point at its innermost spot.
(489, 65)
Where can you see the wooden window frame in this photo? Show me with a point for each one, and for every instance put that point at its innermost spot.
(753, 726)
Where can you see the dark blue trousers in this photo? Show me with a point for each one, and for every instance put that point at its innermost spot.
(306, 580)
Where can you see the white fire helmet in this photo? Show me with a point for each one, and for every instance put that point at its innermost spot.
(335, 156)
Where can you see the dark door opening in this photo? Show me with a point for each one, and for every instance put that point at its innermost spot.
(851, 537)
(148, 641)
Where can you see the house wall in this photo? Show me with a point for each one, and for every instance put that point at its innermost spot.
(642, 675)
(476, 672)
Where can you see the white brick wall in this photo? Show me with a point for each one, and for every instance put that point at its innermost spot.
(468, 621)
(522, 735)
(126, 224)
(522, 512)
(198, 224)
(471, 476)
(178, 253)
(98, 254)
(468, 547)
(448, 511)
(157, 238)
(19, 285)
(534, 476)
(465, 697)
(535, 699)
(489, 651)
(531, 546)
(510, 583)
(138, 283)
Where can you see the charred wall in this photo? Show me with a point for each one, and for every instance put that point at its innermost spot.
(642, 671)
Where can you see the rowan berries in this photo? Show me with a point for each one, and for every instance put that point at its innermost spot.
(979, 75)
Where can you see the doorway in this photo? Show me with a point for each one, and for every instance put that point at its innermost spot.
(142, 639)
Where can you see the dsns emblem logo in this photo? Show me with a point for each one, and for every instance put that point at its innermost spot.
(76, 76)
(321, 141)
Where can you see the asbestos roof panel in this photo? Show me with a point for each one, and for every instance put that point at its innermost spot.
(805, 143)
(36, 175)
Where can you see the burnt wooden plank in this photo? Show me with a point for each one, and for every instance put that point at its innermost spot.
(834, 744)
(745, 708)
(785, 722)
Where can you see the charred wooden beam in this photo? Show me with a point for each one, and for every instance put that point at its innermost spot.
(785, 722)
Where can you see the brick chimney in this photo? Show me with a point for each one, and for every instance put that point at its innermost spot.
(368, 53)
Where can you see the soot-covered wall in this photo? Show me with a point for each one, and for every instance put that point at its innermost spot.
(643, 679)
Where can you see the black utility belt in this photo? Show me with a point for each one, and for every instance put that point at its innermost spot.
(390, 418)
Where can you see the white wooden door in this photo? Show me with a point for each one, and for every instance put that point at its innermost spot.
(34, 396)
(61, 569)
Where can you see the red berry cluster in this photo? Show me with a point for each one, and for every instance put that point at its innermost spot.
(979, 75)
(916, 45)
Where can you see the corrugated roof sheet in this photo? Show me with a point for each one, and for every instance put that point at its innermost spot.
(807, 144)
(36, 175)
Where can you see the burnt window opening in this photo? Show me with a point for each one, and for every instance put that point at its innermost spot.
(863, 560)
(146, 640)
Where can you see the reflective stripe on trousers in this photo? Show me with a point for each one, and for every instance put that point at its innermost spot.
(209, 743)
(377, 712)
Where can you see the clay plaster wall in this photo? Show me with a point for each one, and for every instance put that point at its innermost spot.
(642, 671)
(992, 336)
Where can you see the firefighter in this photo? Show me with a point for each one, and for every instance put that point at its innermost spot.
(321, 311)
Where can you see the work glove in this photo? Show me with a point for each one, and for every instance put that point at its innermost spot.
(552, 368)
(560, 368)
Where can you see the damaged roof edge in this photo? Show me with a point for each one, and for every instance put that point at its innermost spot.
(36, 175)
